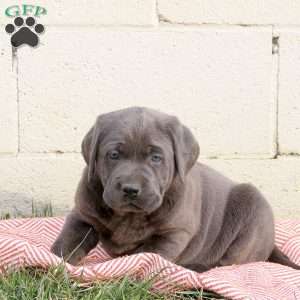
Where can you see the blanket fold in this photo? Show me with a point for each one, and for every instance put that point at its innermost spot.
(27, 242)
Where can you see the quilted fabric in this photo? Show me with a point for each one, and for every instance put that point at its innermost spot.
(26, 242)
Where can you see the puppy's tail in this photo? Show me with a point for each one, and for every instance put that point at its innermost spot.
(278, 257)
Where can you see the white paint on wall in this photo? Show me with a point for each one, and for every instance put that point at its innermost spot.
(222, 80)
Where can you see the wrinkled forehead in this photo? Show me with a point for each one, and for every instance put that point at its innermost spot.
(137, 132)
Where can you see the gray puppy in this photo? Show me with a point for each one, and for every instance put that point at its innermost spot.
(143, 191)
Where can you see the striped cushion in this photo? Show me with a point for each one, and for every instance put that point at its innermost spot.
(26, 242)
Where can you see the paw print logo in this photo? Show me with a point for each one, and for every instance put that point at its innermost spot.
(24, 33)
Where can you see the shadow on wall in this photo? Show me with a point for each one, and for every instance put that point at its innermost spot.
(21, 205)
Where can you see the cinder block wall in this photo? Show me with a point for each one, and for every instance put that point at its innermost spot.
(228, 69)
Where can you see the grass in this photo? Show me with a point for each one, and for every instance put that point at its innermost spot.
(55, 284)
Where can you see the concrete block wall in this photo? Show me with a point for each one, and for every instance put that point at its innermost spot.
(230, 70)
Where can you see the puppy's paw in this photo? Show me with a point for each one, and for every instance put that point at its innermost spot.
(73, 257)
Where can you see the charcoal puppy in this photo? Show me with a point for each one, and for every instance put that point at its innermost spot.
(142, 190)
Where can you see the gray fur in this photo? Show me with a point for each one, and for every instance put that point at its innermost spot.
(181, 209)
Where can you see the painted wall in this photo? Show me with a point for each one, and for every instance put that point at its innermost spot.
(228, 69)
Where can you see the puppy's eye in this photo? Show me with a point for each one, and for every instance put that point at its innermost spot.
(156, 158)
(114, 154)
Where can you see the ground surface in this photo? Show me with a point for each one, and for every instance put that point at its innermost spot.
(55, 284)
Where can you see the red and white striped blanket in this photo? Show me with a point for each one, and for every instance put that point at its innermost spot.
(26, 242)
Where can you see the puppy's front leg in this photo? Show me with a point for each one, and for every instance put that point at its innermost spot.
(76, 239)
(169, 245)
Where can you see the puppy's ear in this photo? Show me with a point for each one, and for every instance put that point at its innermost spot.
(89, 148)
(186, 147)
(86, 144)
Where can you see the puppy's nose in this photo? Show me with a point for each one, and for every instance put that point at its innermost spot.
(131, 190)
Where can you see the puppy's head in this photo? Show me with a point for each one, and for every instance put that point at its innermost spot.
(136, 153)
